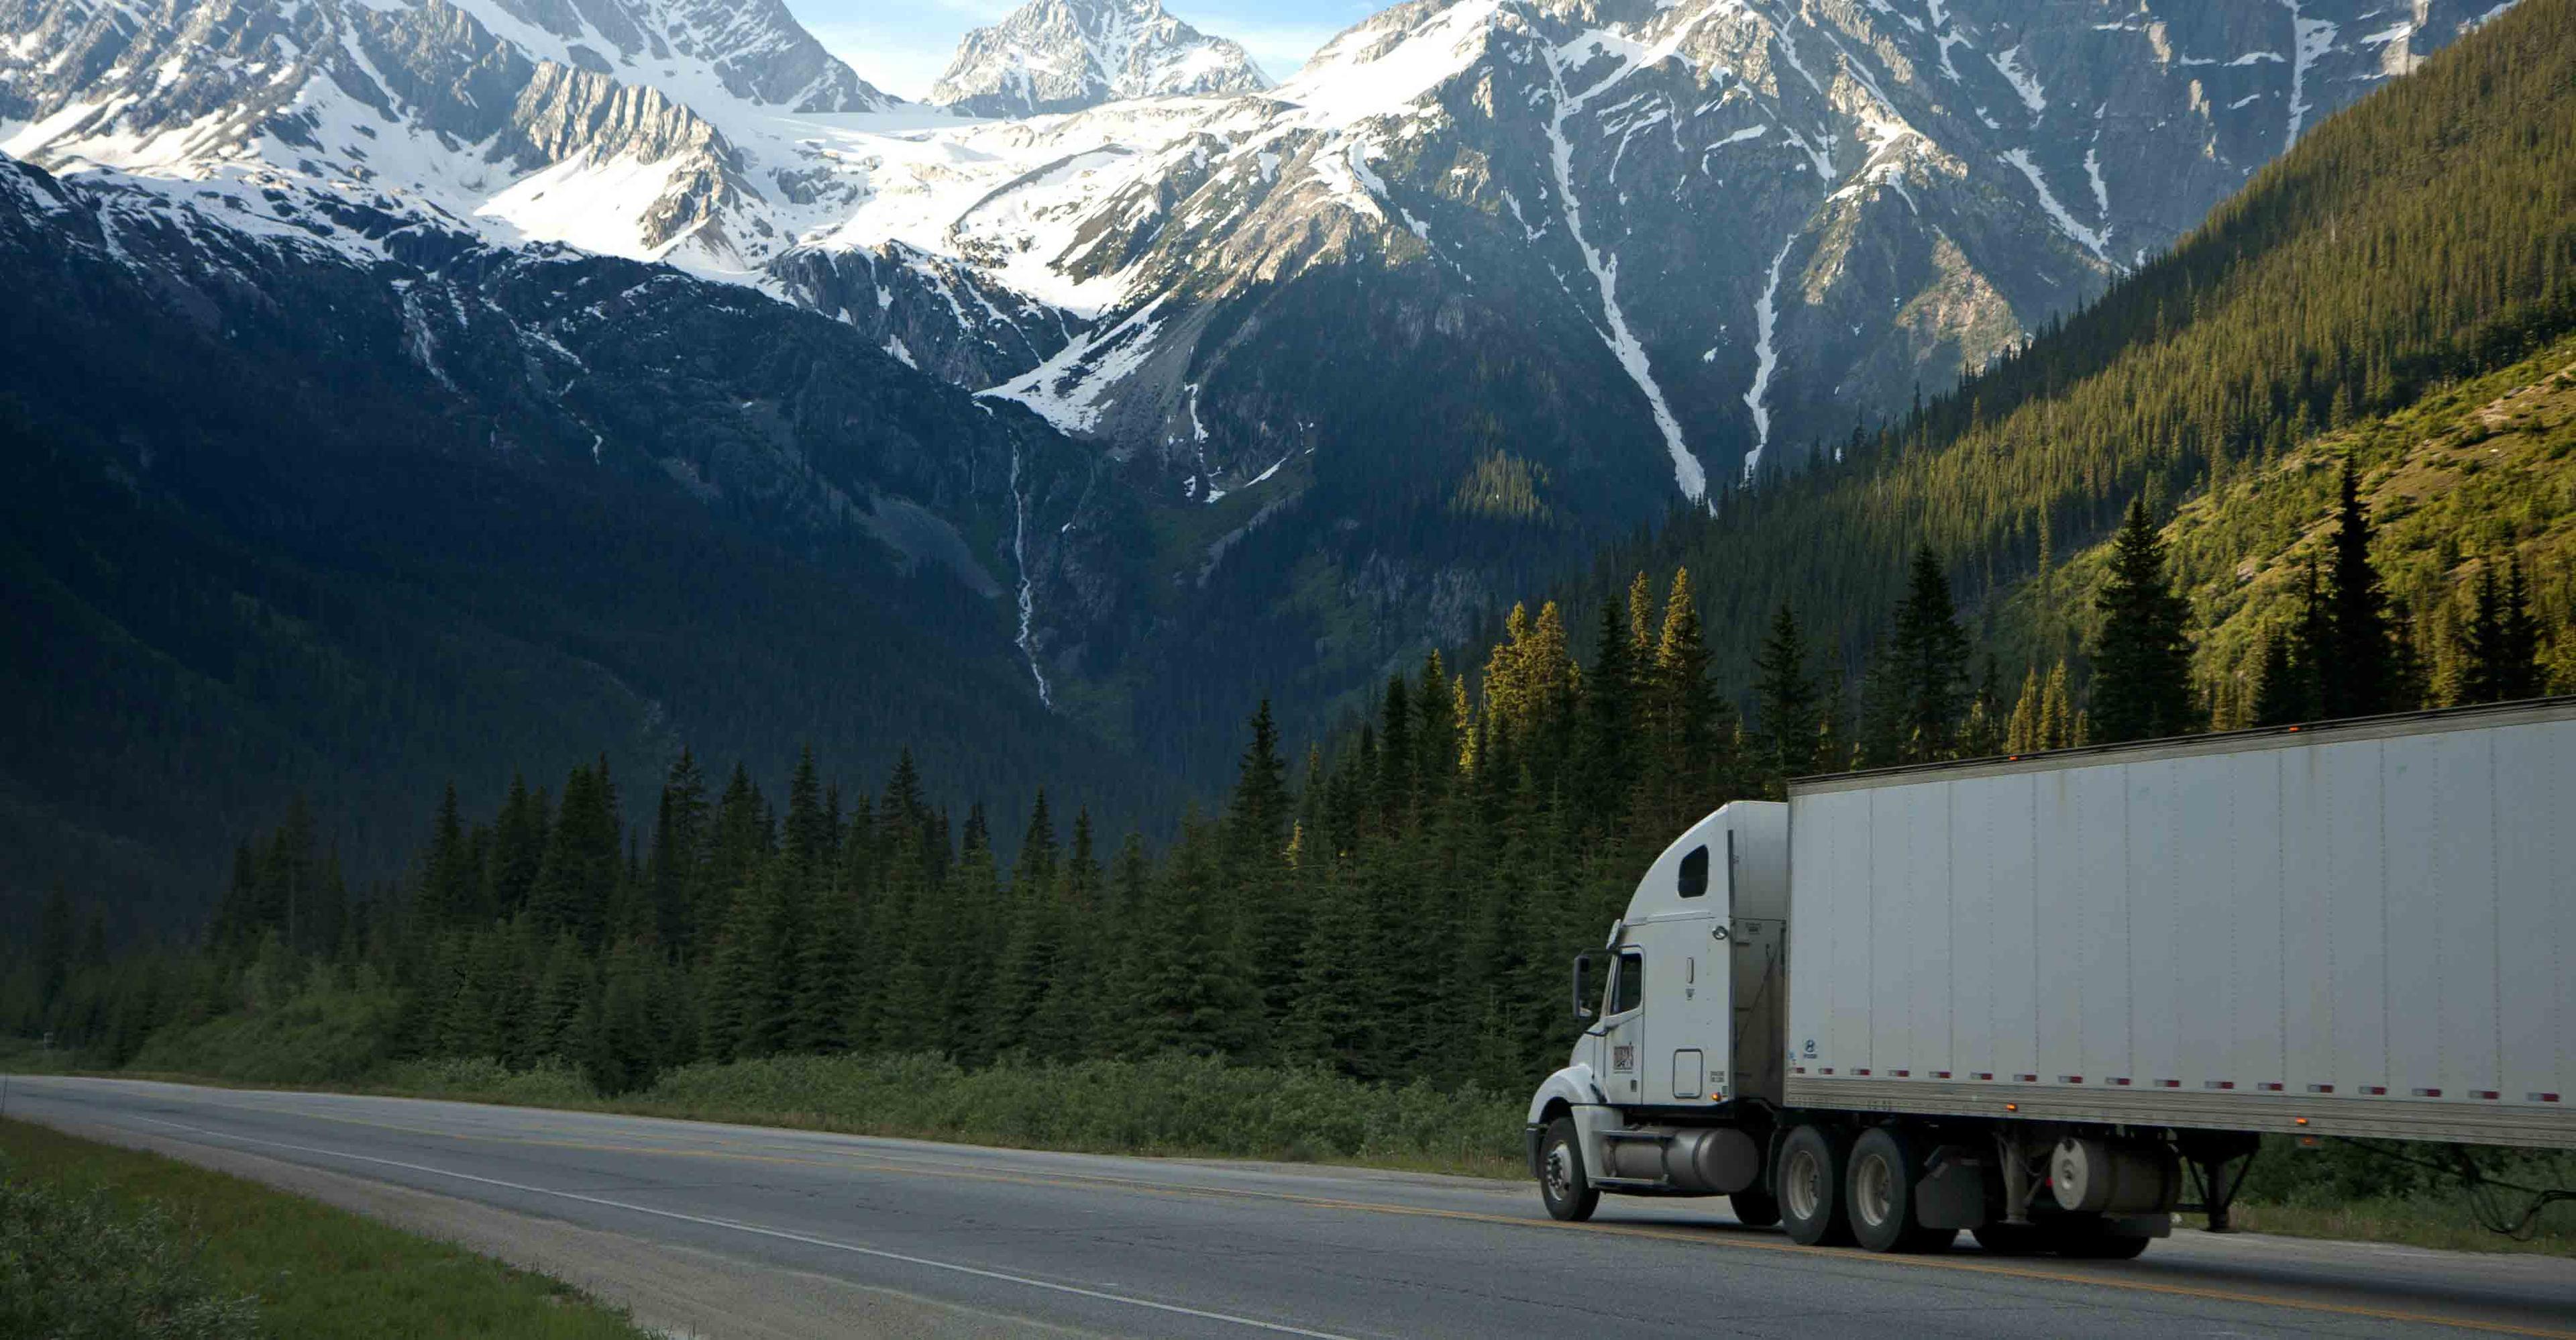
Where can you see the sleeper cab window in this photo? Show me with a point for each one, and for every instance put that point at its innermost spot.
(1694, 876)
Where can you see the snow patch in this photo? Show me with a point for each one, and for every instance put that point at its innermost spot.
(2089, 239)
(1766, 358)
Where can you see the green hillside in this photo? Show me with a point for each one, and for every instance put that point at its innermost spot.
(2419, 242)
(2480, 475)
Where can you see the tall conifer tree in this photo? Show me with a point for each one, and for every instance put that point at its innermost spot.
(2142, 662)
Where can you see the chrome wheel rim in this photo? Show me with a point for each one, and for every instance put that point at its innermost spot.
(1560, 1172)
(1873, 1189)
(1803, 1188)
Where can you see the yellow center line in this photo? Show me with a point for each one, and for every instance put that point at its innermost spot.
(1079, 1181)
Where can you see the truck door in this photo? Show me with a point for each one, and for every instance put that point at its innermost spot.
(1623, 1027)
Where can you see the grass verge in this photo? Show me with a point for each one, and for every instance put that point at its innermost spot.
(181, 1236)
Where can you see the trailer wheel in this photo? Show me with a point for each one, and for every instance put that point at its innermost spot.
(1809, 1183)
(1880, 1190)
(1562, 1182)
(1755, 1209)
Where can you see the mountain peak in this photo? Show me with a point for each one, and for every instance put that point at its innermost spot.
(1066, 55)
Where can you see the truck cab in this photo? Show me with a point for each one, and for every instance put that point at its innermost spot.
(1669, 1090)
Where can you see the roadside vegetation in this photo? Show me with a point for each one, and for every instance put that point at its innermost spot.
(98, 1241)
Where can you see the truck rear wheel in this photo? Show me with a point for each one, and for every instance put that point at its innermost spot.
(1562, 1183)
(1809, 1183)
(1755, 1209)
(1880, 1182)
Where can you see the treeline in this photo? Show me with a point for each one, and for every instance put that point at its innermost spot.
(1398, 907)
(2422, 236)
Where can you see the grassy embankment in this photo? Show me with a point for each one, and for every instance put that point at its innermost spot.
(98, 1241)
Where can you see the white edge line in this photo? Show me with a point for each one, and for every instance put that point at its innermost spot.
(780, 1233)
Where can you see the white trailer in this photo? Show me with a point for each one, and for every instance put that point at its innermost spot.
(2016, 995)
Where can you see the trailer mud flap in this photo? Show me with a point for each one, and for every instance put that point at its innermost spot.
(1952, 1193)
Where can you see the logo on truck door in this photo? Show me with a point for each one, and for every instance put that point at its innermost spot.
(1623, 1056)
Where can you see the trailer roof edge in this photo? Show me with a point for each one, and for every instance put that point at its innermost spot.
(2529, 710)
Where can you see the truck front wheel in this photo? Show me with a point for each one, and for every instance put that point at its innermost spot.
(1809, 1182)
(1562, 1182)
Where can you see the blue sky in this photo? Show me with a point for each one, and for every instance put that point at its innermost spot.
(902, 45)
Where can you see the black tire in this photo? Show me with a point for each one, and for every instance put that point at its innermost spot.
(2001, 1239)
(1562, 1183)
(1878, 1182)
(1809, 1182)
(1755, 1209)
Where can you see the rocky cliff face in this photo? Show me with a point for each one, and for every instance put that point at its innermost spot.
(1066, 55)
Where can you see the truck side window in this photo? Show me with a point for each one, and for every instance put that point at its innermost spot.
(1694, 878)
(1629, 991)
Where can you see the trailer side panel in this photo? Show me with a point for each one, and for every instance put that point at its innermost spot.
(2367, 929)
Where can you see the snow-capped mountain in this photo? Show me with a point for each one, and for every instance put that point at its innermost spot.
(1066, 55)
(1484, 282)
(649, 128)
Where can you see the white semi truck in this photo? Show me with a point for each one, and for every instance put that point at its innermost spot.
(2017, 996)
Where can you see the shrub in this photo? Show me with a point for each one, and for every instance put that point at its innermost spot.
(75, 1266)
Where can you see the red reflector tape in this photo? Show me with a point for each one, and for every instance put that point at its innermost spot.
(2540, 1098)
(1826, 1071)
(1797, 1070)
(2027, 1079)
(2070, 1079)
(2218, 1084)
(2168, 1084)
(2271, 1086)
(2482, 1093)
(2321, 1088)
(1940, 1074)
(1902, 1074)
(2374, 1088)
(1860, 1070)
(2428, 1093)
(1985, 1074)
(2120, 1081)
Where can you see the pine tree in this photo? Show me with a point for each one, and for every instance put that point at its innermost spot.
(621, 1051)
(2484, 640)
(519, 838)
(1607, 769)
(1786, 704)
(807, 839)
(2519, 670)
(577, 878)
(2142, 663)
(2358, 673)
(2281, 692)
(446, 885)
(1682, 713)
(677, 870)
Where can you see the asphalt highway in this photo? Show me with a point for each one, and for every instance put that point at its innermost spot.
(718, 1230)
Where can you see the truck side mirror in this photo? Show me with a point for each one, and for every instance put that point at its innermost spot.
(1582, 987)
